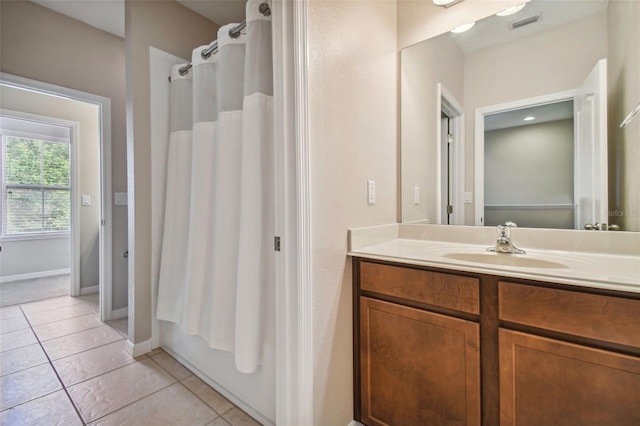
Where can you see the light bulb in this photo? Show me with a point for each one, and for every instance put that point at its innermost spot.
(463, 28)
(442, 2)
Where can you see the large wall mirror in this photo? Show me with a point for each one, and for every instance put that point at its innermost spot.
(518, 118)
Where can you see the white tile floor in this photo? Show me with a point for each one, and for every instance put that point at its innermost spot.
(60, 365)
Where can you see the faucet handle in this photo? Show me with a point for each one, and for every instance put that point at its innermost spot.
(511, 224)
(503, 231)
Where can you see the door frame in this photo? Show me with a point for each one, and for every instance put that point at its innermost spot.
(480, 113)
(105, 232)
(294, 296)
(448, 105)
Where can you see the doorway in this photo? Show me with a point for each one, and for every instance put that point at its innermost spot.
(588, 201)
(36, 154)
(88, 119)
(451, 154)
(529, 166)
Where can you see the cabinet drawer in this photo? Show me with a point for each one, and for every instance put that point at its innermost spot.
(605, 318)
(433, 288)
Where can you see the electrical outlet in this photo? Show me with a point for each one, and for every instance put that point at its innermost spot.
(371, 192)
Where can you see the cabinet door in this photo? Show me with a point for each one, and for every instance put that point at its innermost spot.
(549, 382)
(417, 367)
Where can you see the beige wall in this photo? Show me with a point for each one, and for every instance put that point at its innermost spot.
(423, 66)
(169, 26)
(352, 90)
(43, 45)
(88, 164)
(624, 95)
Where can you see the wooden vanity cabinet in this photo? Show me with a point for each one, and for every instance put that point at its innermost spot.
(435, 347)
(416, 367)
(549, 381)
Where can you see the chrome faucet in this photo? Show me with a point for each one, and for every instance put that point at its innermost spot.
(504, 244)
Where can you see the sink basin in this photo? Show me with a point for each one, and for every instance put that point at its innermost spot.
(505, 259)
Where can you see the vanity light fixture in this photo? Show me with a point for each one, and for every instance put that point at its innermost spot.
(463, 28)
(529, 118)
(511, 10)
(446, 3)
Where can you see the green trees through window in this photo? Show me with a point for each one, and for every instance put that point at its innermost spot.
(37, 183)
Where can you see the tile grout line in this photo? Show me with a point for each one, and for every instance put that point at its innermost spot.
(23, 369)
(65, 388)
(192, 392)
(161, 389)
(101, 374)
(117, 368)
(62, 307)
(73, 404)
(49, 309)
(205, 402)
(137, 400)
(49, 361)
(64, 335)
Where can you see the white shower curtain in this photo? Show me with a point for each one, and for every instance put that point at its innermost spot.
(176, 217)
(221, 284)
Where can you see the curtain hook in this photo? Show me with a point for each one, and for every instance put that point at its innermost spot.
(265, 9)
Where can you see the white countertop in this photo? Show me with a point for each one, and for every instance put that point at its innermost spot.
(619, 272)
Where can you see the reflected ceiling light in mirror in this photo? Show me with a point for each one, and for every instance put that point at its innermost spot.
(529, 118)
(446, 3)
(511, 10)
(463, 28)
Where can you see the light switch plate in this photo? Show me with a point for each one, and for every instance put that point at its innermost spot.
(371, 192)
(121, 198)
(467, 198)
(86, 200)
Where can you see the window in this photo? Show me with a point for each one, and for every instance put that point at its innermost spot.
(36, 184)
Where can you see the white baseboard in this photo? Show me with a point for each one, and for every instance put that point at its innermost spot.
(354, 423)
(89, 290)
(137, 349)
(34, 275)
(119, 313)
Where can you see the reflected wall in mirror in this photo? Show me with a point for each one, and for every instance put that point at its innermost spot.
(455, 84)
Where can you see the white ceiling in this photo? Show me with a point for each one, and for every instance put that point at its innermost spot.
(542, 113)
(108, 15)
(494, 30)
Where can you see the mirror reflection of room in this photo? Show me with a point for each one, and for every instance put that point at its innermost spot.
(580, 57)
(528, 166)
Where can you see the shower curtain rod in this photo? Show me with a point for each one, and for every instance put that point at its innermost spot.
(234, 32)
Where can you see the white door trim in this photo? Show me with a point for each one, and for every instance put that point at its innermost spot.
(479, 139)
(104, 106)
(448, 104)
(294, 367)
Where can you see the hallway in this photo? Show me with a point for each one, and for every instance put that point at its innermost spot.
(61, 365)
(24, 291)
